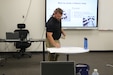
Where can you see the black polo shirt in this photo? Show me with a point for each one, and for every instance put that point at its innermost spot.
(54, 26)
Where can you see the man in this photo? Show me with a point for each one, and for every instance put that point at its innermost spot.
(54, 31)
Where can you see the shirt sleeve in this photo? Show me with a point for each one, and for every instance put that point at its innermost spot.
(50, 28)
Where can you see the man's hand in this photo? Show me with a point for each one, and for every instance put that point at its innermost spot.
(63, 37)
(57, 45)
(63, 33)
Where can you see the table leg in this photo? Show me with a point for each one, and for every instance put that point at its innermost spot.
(43, 50)
(67, 57)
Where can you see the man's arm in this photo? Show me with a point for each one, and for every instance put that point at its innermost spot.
(51, 40)
(63, 33)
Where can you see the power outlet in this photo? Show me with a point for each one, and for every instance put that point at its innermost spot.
(23, 16)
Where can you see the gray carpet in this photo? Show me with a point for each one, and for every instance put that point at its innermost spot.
(31, 66)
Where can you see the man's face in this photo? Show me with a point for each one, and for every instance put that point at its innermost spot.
(58, 16)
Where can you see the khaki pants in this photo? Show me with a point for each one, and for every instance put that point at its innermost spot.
(52, 56)
(49, 45)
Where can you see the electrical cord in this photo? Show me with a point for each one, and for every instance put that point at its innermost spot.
(43, 33)
(27, 11)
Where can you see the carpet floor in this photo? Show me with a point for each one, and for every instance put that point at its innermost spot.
(103, 61)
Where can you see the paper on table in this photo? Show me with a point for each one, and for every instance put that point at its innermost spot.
(68, 50)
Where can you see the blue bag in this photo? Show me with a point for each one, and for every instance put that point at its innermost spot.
(82, 69)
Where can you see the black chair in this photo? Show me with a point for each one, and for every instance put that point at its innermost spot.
(22, 44)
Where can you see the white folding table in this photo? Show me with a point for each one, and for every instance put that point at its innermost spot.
(67, 50)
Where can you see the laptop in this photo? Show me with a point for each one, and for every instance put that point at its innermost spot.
(57, 68)
(12, 36)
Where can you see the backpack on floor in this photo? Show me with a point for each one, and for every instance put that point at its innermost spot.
(82, 69)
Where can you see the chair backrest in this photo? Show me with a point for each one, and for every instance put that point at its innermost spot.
(22, 32)
(21, 26)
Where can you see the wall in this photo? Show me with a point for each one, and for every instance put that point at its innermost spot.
(12, 12)
(105, 15)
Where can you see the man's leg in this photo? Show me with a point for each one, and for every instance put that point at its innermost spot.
(56, 56)
(52, 56)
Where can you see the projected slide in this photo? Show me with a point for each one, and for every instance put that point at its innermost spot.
(77, 13)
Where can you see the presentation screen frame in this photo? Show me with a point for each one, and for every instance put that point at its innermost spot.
(78, 14)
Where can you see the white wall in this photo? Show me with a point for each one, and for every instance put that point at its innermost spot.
(12, 12)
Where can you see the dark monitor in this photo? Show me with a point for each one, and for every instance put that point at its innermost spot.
(57, 68)
(12, 35)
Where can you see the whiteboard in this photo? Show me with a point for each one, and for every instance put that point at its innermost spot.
(105, 16)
